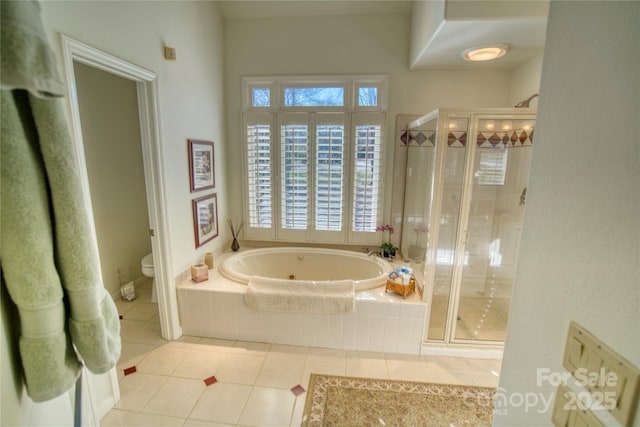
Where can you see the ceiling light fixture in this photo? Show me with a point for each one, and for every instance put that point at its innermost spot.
(485, 53)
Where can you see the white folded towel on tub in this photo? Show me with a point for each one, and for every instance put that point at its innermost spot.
(300, 296)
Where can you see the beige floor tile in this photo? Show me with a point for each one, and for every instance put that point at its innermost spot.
(137, 389)
(316, 353)
(484, 366)
(322, 366)
(485, 380)
(200, 364)
(129, 328)
(450, 377)
(177, 397)
(155, 420)
(146, 332)
(119, 418)
(371, 368)
(133, 352)
(446, 363)
(221, 402)
(143, 293)
(185, 341)
(251, 348)
(163, 360)
(368, 355)
(197, 423)
(281, 371)
(403, 357)
(268, 406)
(142, 311)
(216, 344)
(284, 349)
(124, 306)
(240, 369)
(409, 371)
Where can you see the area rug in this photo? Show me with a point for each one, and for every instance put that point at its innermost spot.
(348, 401)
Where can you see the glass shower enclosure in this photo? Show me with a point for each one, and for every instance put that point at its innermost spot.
(465, 193)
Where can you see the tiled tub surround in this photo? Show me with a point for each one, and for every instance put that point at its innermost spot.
(382, 322)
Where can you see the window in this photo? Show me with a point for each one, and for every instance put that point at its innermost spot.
(313, 96)
(261, 97)
(367, 96)
(313, 158)
(492, 166)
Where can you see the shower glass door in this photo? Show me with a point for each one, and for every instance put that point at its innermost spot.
(419, 185)
(452, 182)
(495, 208)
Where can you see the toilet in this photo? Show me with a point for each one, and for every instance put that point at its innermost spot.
(147, 269)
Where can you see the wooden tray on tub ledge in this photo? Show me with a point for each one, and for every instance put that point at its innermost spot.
(401, 289)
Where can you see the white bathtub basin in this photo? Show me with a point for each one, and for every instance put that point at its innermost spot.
(317, 264)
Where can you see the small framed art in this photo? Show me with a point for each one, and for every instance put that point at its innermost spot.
(201, 165)
(205, 218)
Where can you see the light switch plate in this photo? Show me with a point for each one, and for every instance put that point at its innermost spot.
(612, 380)
(169, 53)
(565, 413)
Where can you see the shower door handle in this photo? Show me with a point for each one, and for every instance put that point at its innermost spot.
(466, 237)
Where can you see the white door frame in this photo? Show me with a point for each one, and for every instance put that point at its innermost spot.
(147, 91)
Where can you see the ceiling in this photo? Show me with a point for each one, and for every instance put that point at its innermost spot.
(241, 9)
(460, 24)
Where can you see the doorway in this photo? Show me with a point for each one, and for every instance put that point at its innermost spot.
(108, 106)
(146, 91)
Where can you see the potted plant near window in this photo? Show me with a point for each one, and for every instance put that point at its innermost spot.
(387, 248)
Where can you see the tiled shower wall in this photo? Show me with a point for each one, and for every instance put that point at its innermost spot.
(392, 327)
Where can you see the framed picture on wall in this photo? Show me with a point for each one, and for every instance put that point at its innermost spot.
(205, 218)
(201, 165)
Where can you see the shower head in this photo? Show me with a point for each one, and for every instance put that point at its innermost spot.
(525, 103)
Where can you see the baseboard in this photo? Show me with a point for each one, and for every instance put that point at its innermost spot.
(462, 351)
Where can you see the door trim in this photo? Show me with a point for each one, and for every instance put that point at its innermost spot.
(147, 91)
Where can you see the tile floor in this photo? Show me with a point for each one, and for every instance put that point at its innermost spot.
(253, 379)
(479, 318)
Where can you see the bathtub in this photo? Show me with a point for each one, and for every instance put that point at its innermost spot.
(316, 264)
(382, 322)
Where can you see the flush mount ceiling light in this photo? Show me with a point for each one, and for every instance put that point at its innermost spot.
(485, 53)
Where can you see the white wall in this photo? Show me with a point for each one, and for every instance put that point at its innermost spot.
(525, 81)
(191, 106)
(426, 19)
(190, 89)
(113, 151)
(345, 45)
(580, 252)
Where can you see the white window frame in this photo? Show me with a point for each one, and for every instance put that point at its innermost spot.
(352, 114)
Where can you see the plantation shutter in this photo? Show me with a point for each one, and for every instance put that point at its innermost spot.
(294, 173)
(367, 185)
(330, 177)
(259, 174)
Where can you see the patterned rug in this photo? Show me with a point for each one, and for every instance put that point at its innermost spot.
(347, 401)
